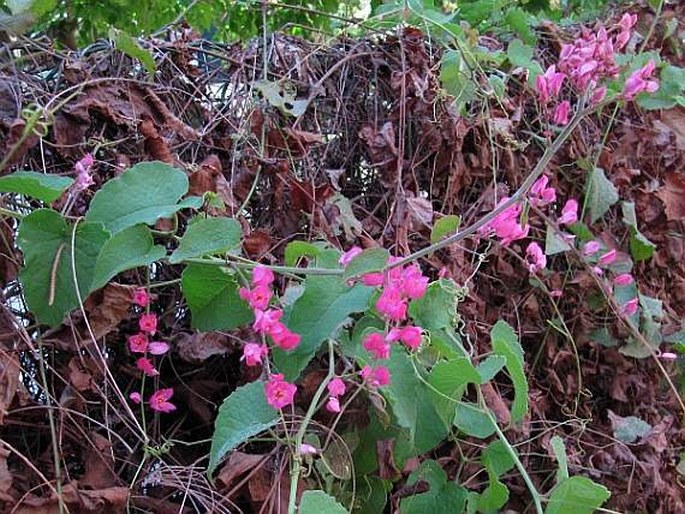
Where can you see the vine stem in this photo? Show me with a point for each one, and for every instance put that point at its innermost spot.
(297, 459)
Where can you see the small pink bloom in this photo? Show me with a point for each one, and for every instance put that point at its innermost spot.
(548, 86)
(411, 336)
(414, 284)
(349, 255)
(639, 81)
(262, 276)
(506, 224)
(623, 279)
(556, 293)
(279, 393)
(668, 356)
(159, 401)
(597, 271)
(258, 297)
(629, 308)
(145, 365)
(373, 279)
(628, 21)
(561, 113)
(591, 247)
(307, 449)
(333, 404)
(391, 304)
(283, 337)
(138, 343)
(540, 194)
(141, 297)
(569, 214)
(158, 347)
(266, 320)
(135, 397)
(376, 377)
(607, 258)
(83, 176)
(148, 323)
(535, 257)
(253, 353)
(598, 95)
(336, 387)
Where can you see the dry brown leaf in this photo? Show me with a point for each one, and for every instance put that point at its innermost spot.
(5, 476)
(200, 346)
(672, 194)
(9, 381)
(238, 464)
(108, 307)
(100, 501)
(99, 464)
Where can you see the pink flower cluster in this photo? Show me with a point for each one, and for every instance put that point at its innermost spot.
(83, 177)
(279, 393)
(336, 389)
(141, 343)
(586, 63)
(399, 286)
(267, 320)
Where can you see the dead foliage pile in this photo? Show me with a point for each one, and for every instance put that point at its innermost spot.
(375, 157)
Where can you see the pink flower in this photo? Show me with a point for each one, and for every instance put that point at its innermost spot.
(333, 404)
(373, 279)
(141, 297)
(391, 304)
(138, 343)
(145, 365)
(262, 276)
(629, 308)
(639, 82)
(506, 224)
(253, 353)
(556, 293)
(569, 214)
(549, 85)
(376, 346)
(148, 323)
(540, 194)
(623, 279)
(668, 356)
(336, 387)
(307, 449)
(83, 176)
(607, 258)
(561, 113)
(598, 95)
(627, 22)
(279, 393)
(536, 257)
(413, 283)
(376, 377)
(266, 320)
(135, 397)
(591, 248)
(349, 255)
(258, 297)
(597, 271)
(284, 338)
(411, 336)
(159, 401)
(158, 347)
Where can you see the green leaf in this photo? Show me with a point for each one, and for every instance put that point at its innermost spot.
(490, 367)
(437, 308)
(445, 226)
(130, 248)
(641, 248)
(493, 497)
(212, 295)
(577, 495)
(443, 497)
(473, 421)
(369, 261)
(245, 413)
(456, 78)
(520, 54)
(496, 458)
(413, 403)
(143, 194)
(449, 379)
(45, 239)
(520, 22)
(324, 306)
(128, 45)
(506, 344)
(628, 429)
(297, 249)
(601, 194)
(46, 188)
(559, 450)
(318, 502)
(554, 244)
(206, 237)
(372, 495)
